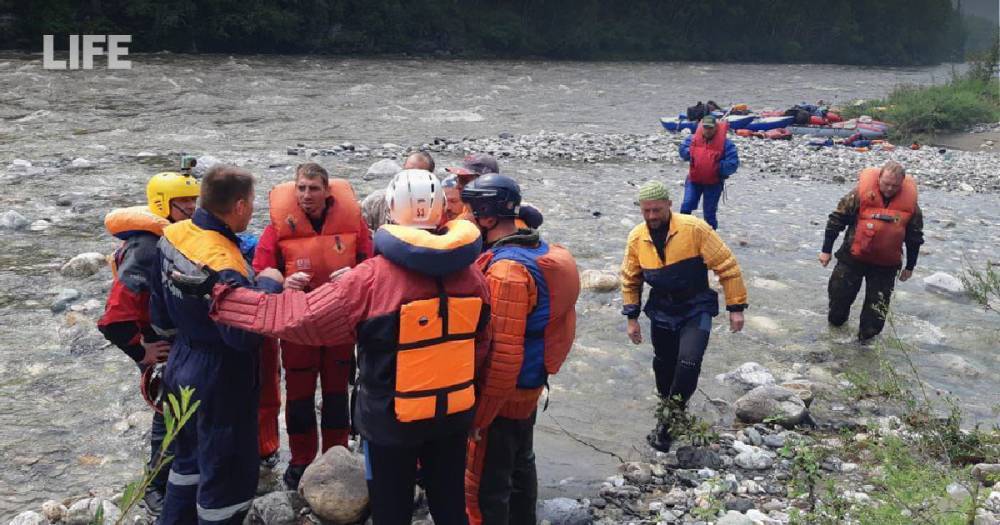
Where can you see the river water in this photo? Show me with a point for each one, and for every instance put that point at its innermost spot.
(72, 419)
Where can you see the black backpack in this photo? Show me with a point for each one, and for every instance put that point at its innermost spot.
(696, 112)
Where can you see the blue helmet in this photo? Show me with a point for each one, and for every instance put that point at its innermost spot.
(493, 195)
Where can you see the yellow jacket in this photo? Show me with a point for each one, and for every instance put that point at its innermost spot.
(679, 282)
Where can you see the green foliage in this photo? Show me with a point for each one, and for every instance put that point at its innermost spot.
(984, 285)
(838, 31)
(806, 470)
(672, 413)
(176, 414)
(916, 111)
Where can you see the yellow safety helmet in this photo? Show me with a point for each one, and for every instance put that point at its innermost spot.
(170, 185)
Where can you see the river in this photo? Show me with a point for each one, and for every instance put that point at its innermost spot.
(72, 419)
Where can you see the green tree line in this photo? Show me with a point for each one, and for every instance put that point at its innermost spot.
(876, 32)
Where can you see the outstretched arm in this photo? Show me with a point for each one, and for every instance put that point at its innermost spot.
(327, 315)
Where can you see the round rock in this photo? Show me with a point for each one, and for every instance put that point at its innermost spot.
(335, 486)
(774, 404)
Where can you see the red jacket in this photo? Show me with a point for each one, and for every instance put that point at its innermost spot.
(364, 306)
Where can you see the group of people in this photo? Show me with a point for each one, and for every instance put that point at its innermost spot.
(447, 321)
(430, 313)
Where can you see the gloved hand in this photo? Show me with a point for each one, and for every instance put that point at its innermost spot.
(196, 284)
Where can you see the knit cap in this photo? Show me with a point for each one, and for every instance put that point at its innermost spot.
(653, 190)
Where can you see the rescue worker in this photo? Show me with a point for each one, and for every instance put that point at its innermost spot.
(713, 158)
(419, 312)
(672, 253)
(316, 228)
(170, 198)
(533, 291)
(454, 208)
(213, 477)
(884, 208)
(374, 207)
(475, 165)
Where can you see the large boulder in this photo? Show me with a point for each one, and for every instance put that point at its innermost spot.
(276, 508)
(12, 220)
(29, 518)
(747, 376)
(599, 281)
(689, 457)
(383, 169)
(53, 510)
(564, 511)
(335, 486)
(773, 404)
(987, 473)
(945, 284)
(84, 265)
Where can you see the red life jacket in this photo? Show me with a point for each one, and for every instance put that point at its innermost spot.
(881, 227)
(316, 253)
(705, 156)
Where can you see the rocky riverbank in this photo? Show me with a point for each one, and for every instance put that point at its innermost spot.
(935, 167)
(949, 169)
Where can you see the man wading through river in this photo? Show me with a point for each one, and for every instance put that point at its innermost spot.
(673, 253)
(884, 208)
(713, 159)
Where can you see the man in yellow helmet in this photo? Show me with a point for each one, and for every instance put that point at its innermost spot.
(171, 197)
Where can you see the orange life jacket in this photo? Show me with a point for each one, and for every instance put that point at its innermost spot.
(306, 250)
(705, 156)
(436, 362)
(551, 325)
(881, 227)
(125, 222)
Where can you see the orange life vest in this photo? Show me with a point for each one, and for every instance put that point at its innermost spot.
(706, 156)
(881, 227)
(436, 362)
(306, 250)
(124, 222)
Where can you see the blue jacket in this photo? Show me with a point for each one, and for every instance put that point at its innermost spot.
(185, 316)
(727, 166)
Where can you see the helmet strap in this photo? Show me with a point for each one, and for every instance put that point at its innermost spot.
(175, 207)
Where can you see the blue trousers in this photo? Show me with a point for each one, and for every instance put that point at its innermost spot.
(693, 193)
(213, 478)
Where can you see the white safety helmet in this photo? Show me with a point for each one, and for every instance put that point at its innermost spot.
(415, 198)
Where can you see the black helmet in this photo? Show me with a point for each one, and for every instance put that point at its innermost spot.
(493, 195)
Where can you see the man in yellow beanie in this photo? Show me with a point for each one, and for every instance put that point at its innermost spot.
(673, 253)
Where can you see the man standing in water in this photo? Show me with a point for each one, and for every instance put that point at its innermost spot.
(884, 208)
(673, 253)
(713, 159)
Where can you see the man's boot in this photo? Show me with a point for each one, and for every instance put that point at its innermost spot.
(660, 438)
(292, 476)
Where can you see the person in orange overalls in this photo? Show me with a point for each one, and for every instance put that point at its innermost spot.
(533, 286)
(316, 228)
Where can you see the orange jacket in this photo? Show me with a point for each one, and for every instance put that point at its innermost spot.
(339, 244)
(881, 226)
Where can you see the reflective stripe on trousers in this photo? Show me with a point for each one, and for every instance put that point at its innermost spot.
(224, 513)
